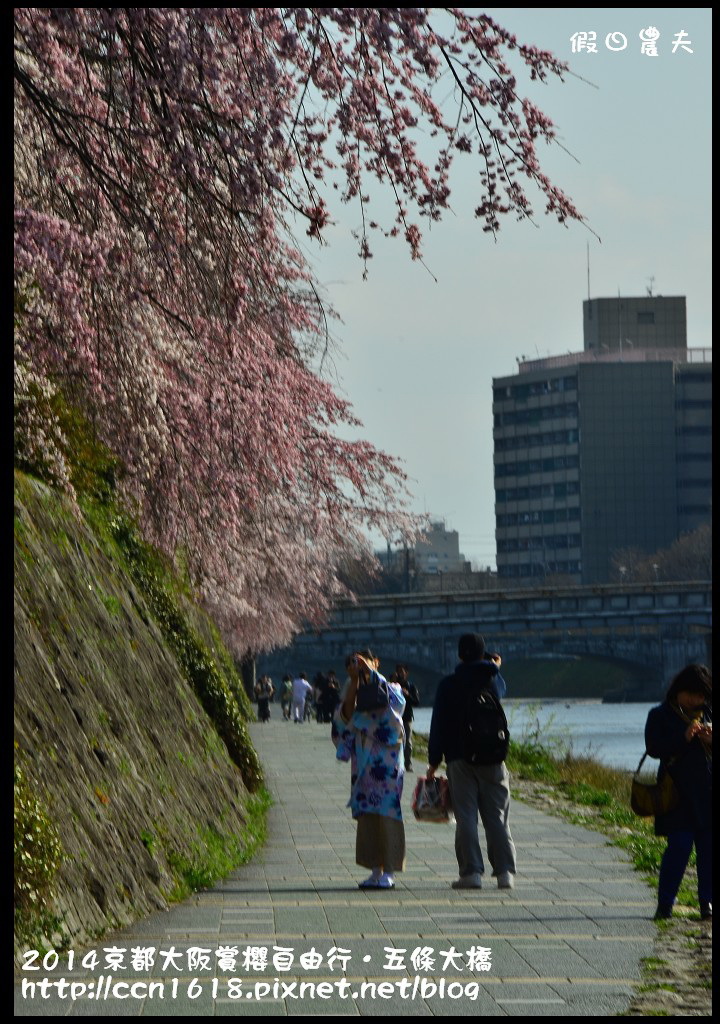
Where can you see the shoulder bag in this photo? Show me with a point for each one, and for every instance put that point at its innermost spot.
(648, 799)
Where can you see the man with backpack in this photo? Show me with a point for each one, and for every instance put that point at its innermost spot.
(469, 729)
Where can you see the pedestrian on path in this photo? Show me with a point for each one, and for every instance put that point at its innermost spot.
(320, 685)
(286, 697)
(264, 691)
(412, 700)
(679, 733)
(373, 743)
(301, 688)
(482, 783)
(332, 696)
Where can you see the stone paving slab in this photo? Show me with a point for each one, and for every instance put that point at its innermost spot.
(566, 941)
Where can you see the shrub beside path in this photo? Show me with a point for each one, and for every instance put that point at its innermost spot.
(567, 941)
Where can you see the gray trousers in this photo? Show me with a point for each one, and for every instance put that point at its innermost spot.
(483, 788)
(408, 744)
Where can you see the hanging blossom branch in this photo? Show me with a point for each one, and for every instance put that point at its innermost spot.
(164, 158)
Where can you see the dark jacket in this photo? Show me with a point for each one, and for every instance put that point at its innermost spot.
(447, 728)
(689, 768)
(412, 700)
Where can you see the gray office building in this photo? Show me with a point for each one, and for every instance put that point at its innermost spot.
(604, 449)
(653, 321)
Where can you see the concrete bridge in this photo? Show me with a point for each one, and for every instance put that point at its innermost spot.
(660, 626)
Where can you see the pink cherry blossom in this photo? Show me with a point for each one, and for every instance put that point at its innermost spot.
(165, 160)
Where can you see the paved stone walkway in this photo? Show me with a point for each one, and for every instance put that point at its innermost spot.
(566, 941)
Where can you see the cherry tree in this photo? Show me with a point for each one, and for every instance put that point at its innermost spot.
(166, 161)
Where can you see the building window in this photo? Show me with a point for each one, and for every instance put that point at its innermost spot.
(693, 457)
(694, 431)
(646, 318)
(701, 377)
(695, 482)
(693, 403)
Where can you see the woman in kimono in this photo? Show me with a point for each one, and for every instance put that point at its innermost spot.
(373, 743)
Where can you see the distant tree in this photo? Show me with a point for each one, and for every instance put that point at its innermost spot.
(358, 573)
(687, 558)
(164, 159)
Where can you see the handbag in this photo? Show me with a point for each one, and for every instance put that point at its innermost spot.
(373, 695)
(648, 799)
(431, 800)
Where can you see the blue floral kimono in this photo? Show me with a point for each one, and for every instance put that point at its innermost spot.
(373, 743)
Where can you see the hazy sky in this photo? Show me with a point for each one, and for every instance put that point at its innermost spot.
(417, 357)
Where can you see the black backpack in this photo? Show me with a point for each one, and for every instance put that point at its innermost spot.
(487, 736)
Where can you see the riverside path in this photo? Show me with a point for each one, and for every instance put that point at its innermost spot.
(566, 941)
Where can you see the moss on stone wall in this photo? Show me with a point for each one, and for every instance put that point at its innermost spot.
(214, 679)
(130, 725)
(38, 855)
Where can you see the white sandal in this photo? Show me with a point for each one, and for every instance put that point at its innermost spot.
(373, 882)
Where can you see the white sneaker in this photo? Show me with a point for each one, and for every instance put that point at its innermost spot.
(468, 882)
(505, 880)
(386, 881)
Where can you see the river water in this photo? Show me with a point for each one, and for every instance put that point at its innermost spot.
(611, 733)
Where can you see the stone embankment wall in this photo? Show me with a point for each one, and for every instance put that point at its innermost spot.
(109, 735)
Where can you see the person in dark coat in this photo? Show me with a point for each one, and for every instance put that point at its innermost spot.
(264, 691)
(412, 700)
(679, 733)
(483, 788)
(320, 686)
(332, 695)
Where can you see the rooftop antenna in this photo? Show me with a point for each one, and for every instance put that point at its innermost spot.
(650, 287)
(588, 268)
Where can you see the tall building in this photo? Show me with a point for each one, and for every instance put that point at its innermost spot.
(438, 550)
(653, 321)
(604, 449)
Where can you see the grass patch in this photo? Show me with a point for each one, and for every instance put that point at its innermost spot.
(583, 793)
(653, 963)
(533, 761)
(111, 603)
(149, 841)
(215, 855)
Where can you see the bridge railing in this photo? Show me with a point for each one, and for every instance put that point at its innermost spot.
(531, 593)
